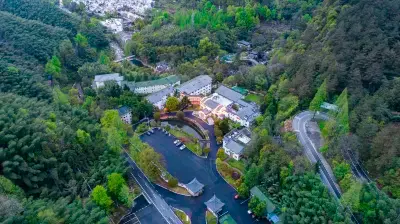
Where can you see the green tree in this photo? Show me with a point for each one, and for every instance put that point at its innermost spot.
(172, 182)
(351, 197)
(341, 169)
(221, 153)
(172, 103)
(157, 116)
(81, 40)
(259, 210)
(208, 48)
(150, 162)
(100, 197)
(180, 115)
(83, 137)
(53, 67)
(115, 182)
(319, 97)
(243, 190)
(185, 102)
(343, 113)
(73, 96)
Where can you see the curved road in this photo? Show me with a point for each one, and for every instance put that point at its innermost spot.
(202, 168)
(300, 122)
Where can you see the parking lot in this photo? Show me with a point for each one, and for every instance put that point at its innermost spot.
(185, 165)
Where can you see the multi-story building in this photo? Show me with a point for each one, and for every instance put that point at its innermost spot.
(125, 114)
(201, 85)
(159, 98)
(235, 142)
(153, 86)
(226, 102)
(99, 80)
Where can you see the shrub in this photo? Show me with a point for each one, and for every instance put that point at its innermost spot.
(221, 154)
(172, 182)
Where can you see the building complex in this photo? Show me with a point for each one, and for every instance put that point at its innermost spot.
(226, 102)
(100, 80)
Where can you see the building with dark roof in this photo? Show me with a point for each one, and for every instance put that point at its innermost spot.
(235, 142)
(194, 187)
(201, 85)
(159, 98)
(214, 205)
(125, 113)
(244, 44)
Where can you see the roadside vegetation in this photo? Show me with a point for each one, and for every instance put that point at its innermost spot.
(191, 142)
(182, 216)
(210, 218)
(231, 175)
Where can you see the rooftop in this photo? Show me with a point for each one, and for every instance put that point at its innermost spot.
(169, 80)
(214, 204)
(255, 191)
(237, 139)
(195, 84)
(108, 77)
(123, 110)
(195, 186)
(211, 104)
(158, 96)
(229, 93)
(244, 42)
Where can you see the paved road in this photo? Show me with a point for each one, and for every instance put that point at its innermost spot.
(151, 194)
(299, 125)
(185, 166)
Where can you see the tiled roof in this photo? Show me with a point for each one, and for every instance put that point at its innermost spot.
(229, 93)
(214, 204)
(158, 96)
(195, 84)
(195, 186)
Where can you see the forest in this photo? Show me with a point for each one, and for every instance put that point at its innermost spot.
(340, 52)
(58, 164)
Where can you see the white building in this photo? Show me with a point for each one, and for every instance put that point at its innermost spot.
(226, 102)
(235, 141)
(125, 114)
(159, 98)
(99, 80)
(153, 86)
(201, 85)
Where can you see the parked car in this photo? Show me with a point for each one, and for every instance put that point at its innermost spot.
(166, 133)
(249, 212)
(182, 147)
(236, 197)
(151, 130)
(176, 141)
(148, 133)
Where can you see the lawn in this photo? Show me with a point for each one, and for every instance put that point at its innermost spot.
(192, 144)
(182, 216)
(227, 171)
(177, 189)
(237, 164)
(211, 219)
(253, 98)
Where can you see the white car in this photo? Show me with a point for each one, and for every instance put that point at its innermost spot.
(249, 212)
(176, 141)
(182, 147)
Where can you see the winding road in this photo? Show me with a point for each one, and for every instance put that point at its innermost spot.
(185, 166)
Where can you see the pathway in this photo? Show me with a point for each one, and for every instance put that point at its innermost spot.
(185, 166)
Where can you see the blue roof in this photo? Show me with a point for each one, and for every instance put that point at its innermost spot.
(123, 110)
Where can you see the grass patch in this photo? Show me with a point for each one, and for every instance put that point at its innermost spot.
(177, 189)
(211, 219)
(227, 173)
(192, 143)
(182, 216)
(237, 164)
(253, 98)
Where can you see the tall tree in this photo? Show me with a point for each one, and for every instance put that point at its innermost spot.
(319, 97)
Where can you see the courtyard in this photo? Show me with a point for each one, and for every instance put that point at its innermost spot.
(185, 165)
